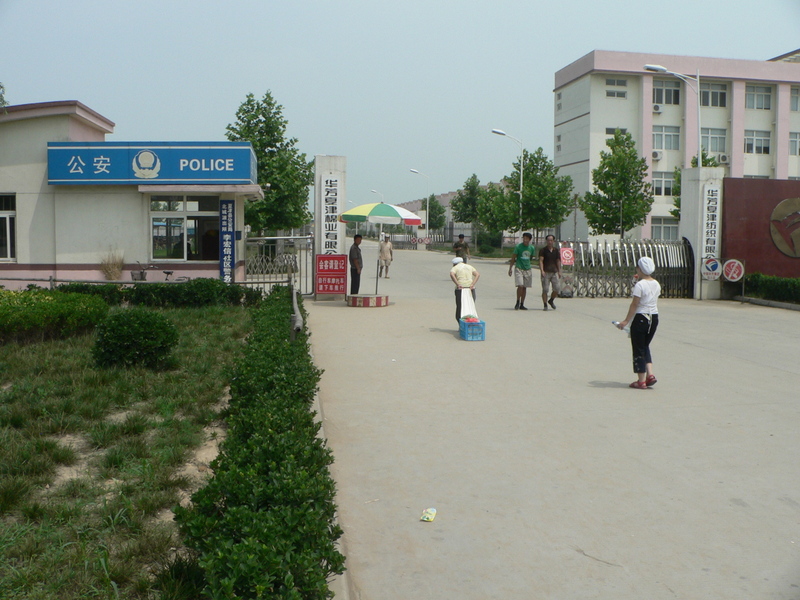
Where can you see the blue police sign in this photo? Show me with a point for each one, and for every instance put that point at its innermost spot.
(141, 163)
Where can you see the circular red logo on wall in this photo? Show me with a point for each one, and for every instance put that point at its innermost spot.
(784, 225)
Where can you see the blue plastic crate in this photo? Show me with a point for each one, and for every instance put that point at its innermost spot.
(472, 332)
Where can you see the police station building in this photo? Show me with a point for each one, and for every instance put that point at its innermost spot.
(69, 200)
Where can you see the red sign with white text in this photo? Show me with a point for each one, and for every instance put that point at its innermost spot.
(331, 274)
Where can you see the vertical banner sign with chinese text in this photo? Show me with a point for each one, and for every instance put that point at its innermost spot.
(711, 220)
(331, 274)
(329, 202)
(227, 254)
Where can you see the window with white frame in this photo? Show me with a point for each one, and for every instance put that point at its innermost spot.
(756, 142)
(666, 92)
(666, 137)
(713, 139)
(184, 227)
(663, 183)
(616, 83)
(663, 228)
(794, 144)
(758, 97)
(795, 99)
(8, 236)
(714, 94)
(613, 130)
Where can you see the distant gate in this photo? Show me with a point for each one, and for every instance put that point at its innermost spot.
(281, 260)
(606, 269)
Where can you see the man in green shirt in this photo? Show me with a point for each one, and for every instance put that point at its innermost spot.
(521, 264)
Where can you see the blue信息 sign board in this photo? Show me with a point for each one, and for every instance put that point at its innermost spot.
(141, 163)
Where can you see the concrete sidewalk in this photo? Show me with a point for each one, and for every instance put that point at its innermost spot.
(551, 478)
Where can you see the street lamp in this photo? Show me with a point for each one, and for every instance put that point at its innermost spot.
(694, 83)
(379, 194)
(521, 168)
(427, 202)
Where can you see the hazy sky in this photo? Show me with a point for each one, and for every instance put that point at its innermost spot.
(390, 85)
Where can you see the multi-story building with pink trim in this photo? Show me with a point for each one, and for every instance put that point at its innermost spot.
(749, 120)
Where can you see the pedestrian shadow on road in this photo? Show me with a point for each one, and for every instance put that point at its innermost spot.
(607, 384)
(455, 334)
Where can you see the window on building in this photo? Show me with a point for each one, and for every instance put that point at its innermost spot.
(666, 137)
(794, 144)
(613, 130)
(663, 182)
(795, 99)
(558, 96)
(616, 83)
(758, 96)
(663, 228)
(8, 215)
(714, 139)
(714, 94)
(666, 92)
(756, 142)
(184, 227)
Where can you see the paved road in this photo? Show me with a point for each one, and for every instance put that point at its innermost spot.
(552, 479)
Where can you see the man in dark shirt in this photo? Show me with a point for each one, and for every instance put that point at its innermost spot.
(461, 248)
(550, 270)
(356, 264)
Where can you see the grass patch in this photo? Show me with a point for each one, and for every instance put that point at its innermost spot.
(93, 536)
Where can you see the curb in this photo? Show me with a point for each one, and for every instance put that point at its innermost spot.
(770, 303)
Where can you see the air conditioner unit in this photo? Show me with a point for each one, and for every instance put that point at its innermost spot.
(656, 108)
(658, 155)
(724, 159)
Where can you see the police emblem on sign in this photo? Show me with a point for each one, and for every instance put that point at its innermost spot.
(146, 165)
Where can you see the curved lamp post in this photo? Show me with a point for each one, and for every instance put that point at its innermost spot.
(521, 168)
(427, 202)
(694, 83)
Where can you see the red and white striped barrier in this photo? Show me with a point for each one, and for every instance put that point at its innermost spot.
(365, 301)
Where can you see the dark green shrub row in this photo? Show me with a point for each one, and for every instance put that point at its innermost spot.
(769, 287)
(134, 336)
(194, 293)
(264, 526)
(38, 314)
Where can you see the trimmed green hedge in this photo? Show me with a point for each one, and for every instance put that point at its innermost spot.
(193, 293)
(780, 289)
(37, 314)
(134, 336)
(264, 526)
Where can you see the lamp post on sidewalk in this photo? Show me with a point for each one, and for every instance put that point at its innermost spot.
(521, 167)
(427, 202)
(694, 83)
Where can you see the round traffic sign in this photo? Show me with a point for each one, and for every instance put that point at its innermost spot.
(733, 270)
(426, 241)
(413, 240)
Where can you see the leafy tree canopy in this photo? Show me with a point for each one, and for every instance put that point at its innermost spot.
(709, 160)
(621, 199)
(280, 164)
(436, 213)
(465, 203)
(3, 96)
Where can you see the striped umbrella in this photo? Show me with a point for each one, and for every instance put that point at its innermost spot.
(379, 212)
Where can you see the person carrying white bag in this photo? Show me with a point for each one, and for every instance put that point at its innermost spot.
(465, 277)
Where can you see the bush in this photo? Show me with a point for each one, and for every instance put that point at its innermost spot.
(264, 526)
(39, 314)
(111, 293)
(769, 287)
(197, 292)
(134, 336)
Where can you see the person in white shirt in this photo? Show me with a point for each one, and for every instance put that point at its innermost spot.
(643, 318)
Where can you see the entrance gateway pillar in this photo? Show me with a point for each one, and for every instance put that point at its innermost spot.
(701, 223)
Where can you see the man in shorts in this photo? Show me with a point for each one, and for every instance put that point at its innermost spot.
(521, 264)
(550, 269)
(385, 255)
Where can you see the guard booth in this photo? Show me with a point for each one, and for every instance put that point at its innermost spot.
(71, 202)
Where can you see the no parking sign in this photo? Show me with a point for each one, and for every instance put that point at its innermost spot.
(567, 256)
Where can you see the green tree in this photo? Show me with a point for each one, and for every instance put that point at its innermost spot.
(280, 164)
(436, 214)
(495, 210)
(546, 197)
(3, 102)
(709, 160)
(465, 203)
(622, 198)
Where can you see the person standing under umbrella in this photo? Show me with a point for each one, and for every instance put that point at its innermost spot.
(356, 264)
(643, 317)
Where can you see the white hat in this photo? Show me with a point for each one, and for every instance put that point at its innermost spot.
(457, 260)
(646, 265)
